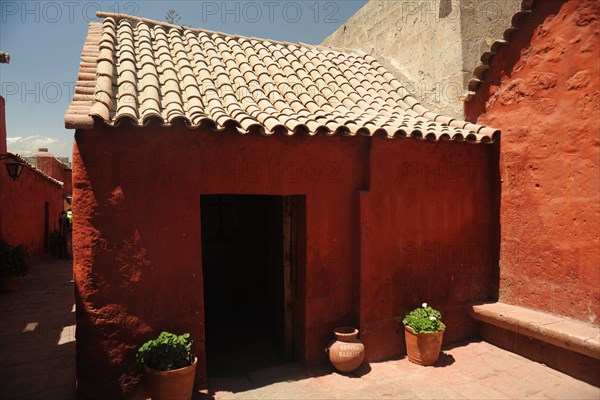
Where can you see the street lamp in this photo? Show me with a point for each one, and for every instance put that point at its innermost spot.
(14, 168)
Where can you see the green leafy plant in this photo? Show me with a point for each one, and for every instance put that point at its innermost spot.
(167, 352)
(424, 320)
(13, 259)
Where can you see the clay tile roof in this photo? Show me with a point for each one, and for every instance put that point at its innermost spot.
(486, 58)
(19, 158)
(140, 71)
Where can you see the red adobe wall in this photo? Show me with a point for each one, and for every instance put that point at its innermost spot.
(428, 234)
(67, 181)
(22, 204)
(22, 210)
(2, 126)
(137, 243)
(137, 237)
(50, 165)
(542, 91)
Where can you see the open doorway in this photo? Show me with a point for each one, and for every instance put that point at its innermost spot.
(247, 247)
(46, 227)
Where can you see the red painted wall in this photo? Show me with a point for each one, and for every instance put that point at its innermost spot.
(428, 234)
(50, 165)
(2, 126)
(542, 91)
(137, 244)
(22, 204)
(22, 209)
(68, 182)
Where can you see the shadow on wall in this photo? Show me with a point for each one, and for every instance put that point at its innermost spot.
(445, 8)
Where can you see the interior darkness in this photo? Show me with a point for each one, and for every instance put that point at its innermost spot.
(242, 260)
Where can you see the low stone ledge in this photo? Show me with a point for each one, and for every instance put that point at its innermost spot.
(559, 331)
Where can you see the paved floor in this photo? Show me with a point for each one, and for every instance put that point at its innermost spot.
(37, 361)
(475, 370)
(37, 335)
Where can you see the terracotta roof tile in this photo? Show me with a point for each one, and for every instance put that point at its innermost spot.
(486, 58)
(140, 71)
(21, 159)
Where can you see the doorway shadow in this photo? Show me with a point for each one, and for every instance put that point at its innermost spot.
(238, 348)
(289, 372)
(247, 320)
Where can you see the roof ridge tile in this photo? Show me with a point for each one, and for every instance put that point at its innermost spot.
(478, 73)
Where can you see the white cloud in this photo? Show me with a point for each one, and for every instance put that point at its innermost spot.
(26, 146)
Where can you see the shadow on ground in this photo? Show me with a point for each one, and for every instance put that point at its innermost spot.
(293, 372)
(285, 373)
(37, 335)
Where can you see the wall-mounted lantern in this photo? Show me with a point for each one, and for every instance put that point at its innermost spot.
(13, 168)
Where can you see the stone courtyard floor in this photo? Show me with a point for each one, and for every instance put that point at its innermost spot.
(37, 361)
(37, 335)
(474, 370)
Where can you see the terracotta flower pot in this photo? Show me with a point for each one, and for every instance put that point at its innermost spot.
(423, 348)
(9, 283)
(177, 384)
(347, 352)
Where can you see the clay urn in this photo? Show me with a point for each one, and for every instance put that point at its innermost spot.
(346, 353)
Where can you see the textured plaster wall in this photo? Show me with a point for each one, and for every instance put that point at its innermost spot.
(22, 209)
(22, 203)
(428, 234)
(432, 45)
(542, 91)
(137, 237)
(383, 234)
(2, 126)
(51, 166)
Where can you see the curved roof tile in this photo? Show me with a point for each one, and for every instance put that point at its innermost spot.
(18, 158)
(140, 71)
(486, 58)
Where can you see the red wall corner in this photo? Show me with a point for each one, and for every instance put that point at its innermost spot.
(543, 92)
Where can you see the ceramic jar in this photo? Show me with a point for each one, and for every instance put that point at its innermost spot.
(346, 353)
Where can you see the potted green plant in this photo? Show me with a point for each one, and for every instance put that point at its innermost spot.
(13, 265)
(423, 332)
(169, 365)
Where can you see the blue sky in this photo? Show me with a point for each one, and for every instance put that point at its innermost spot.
(45, 38)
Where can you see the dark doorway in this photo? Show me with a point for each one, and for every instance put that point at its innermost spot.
(46, 227)
(248, 282)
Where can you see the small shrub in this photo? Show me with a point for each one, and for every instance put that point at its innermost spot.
(167, 352)
(13, 259)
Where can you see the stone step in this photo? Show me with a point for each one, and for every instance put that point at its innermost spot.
(556, 330)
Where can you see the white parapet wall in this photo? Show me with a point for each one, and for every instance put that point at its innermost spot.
(431, 45)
